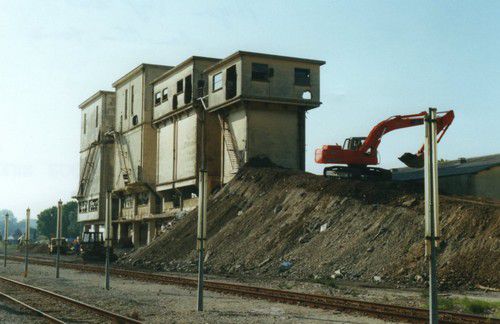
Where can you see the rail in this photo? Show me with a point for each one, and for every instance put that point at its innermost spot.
(409, 314)
(111, 315)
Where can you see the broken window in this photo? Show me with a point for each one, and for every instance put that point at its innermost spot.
(306, 95)
(126, 103)
(85, 123)
(174, 102)
(260, 72)
(157, 98)
(93, 205)
(188, 94)
(164, 94)
(82, 207)
(96, 116)
(217, 82)
(143, 198)
(231, 82)
(128, 202)
(302, 77)
(180, 87)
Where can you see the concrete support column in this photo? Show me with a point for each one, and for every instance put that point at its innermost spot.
(136, 234)
(151, 231)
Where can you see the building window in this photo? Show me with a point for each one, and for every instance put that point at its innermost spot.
(157, 98)
(85, 123)
(302, 77)
(96, 116)
(217, 82)
(180, 87)
(231, 77)
(164, 94)
(82, 207)
(128, 202)
(93, 205)
(132, 101)
(143, 198)
(126, 103)
(188, 94)
(260, 72)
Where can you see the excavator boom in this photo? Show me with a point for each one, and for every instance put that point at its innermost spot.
(360, 152)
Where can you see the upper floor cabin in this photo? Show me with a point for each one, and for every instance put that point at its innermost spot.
(177, 88)
(134, 103)
(97, 117)
(264, 77)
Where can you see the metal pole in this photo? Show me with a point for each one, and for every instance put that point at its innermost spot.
(202, 208)
(108, 236)
(58, 236)
(431, 210)
(26, 242)
(5, 239)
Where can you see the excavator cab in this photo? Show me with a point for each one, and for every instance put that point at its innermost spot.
(353, 143)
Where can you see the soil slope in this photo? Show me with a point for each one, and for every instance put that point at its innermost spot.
(266, 216)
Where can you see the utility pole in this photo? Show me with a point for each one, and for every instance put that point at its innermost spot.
(432, 231)
(58, 235)
(26, 242)
(202, 204)
(5, 240)
(107, 225)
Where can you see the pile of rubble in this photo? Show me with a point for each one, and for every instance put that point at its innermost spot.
(278, 222)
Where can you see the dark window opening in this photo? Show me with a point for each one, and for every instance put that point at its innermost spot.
(180, 87)
(126, 103)
(143, 198)
(135, 120)
(231, 82)
(302, 77)
(132, 100)
(157, 98)
(260, 72)
(188, 94)
(164, 94)
(85, 123)
(174, 101)
(201, 87)
(217, 82)
(96, 116)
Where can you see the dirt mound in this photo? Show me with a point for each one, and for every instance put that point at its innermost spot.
(271, 221)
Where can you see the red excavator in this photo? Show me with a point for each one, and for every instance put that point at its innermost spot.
(360, 152)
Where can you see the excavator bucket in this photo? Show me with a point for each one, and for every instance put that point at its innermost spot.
(412, 160)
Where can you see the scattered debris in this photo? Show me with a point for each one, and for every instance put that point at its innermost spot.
(363, 217)
(323, 227)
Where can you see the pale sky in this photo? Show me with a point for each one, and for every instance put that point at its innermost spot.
(383, 58)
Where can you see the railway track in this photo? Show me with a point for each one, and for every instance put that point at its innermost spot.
(54, 307)
(385, 311)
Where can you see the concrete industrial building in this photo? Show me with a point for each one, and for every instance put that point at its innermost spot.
(477, 176)
(261, 101)
(96, 156)
(256, 105)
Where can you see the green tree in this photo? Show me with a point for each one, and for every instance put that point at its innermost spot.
(47, 221)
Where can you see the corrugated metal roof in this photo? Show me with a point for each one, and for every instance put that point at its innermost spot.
(450, 168)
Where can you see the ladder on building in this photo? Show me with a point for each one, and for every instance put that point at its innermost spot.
(230, 143)
(87, 169)
(124, 157)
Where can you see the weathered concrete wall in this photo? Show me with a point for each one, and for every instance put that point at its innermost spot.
(282, 84)
(274, 131)
(483, 184)
(99, 115)
(90, 127)
(218, 97)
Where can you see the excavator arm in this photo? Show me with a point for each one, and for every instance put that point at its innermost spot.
(373, 139)
(362, 152)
